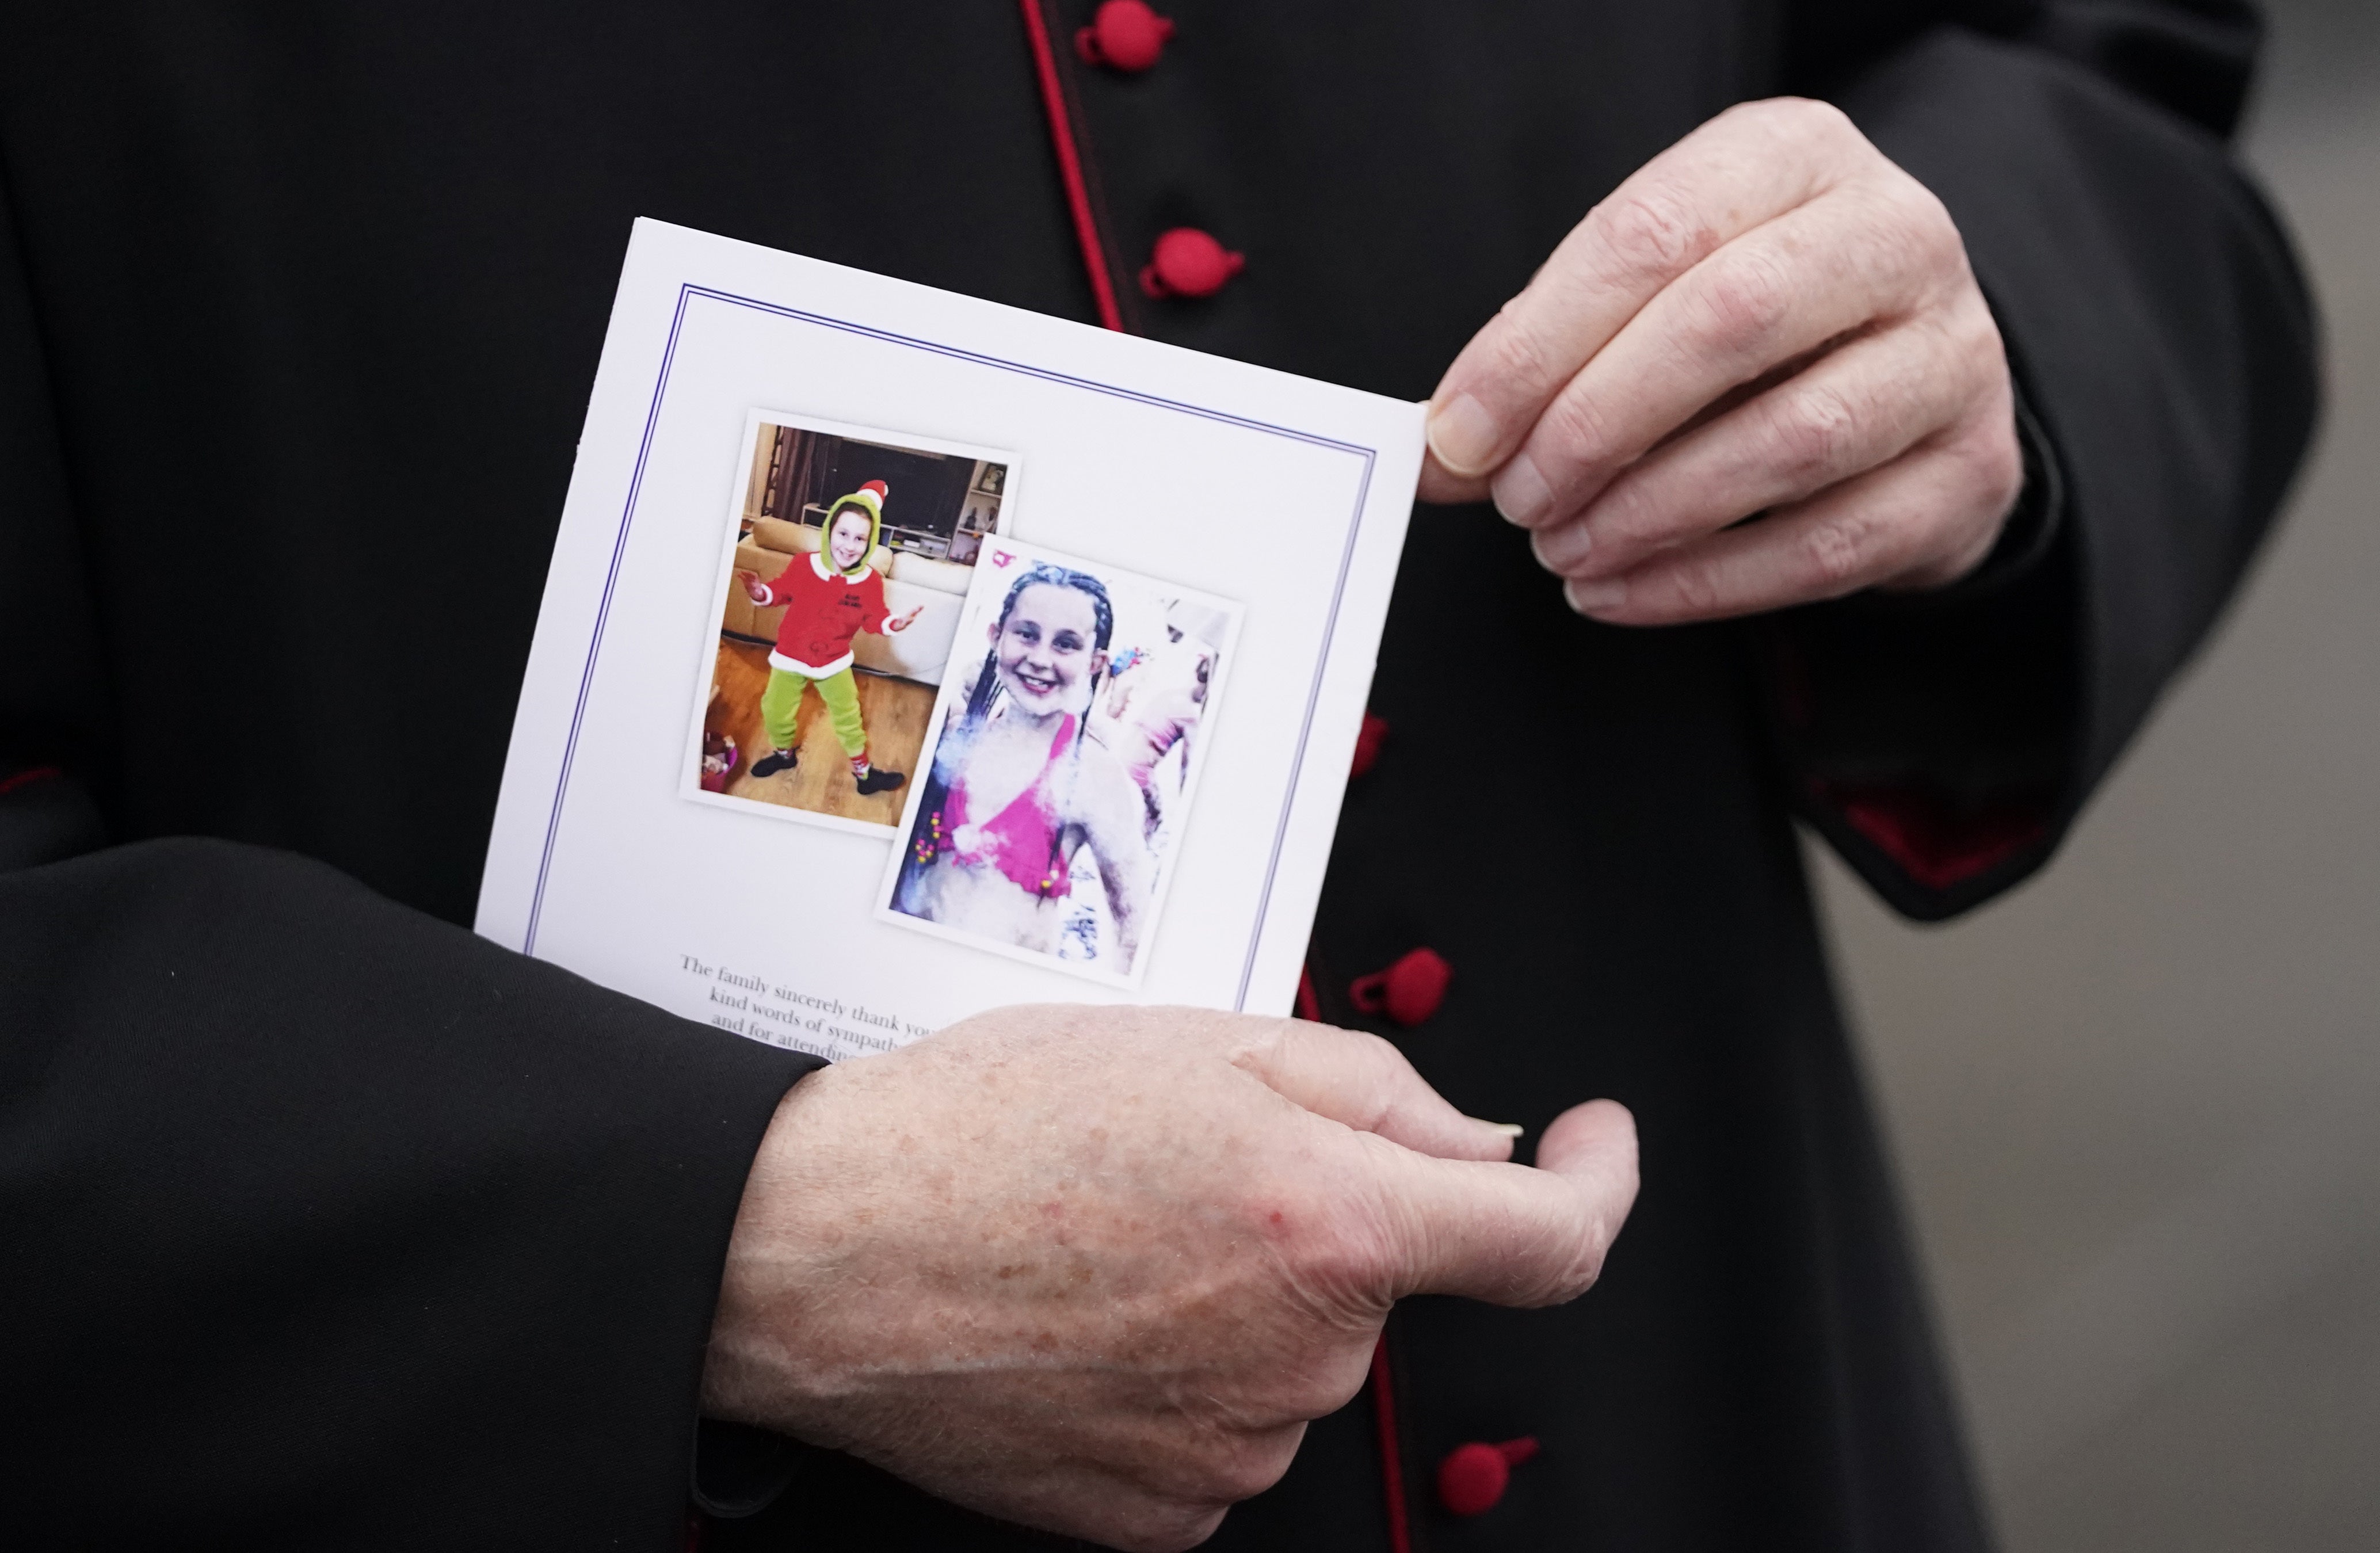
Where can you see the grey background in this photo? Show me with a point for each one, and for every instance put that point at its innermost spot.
(2137, 1104)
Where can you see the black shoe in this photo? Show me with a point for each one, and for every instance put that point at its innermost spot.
(774, 761)
(877, 780)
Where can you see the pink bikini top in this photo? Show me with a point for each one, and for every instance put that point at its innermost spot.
(1021, 841)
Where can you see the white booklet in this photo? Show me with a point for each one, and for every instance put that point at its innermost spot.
(905, 655)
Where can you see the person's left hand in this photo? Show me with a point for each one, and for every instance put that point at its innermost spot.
(1770, 319)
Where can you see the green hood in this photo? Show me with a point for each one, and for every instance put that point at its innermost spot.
(860, 501)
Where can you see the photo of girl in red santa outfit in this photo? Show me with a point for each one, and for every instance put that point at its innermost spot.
(826, 584)
(829, 596)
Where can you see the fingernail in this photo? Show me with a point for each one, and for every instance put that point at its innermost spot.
(1560, 547)
(1522, 494)
(1463, 436)
(1595, 596)
(1505, 1129)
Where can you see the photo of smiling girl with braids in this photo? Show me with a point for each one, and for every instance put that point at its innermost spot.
(1028, 831)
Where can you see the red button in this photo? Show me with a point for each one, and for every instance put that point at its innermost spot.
(1408, 991)
(1368, 743)
(1188, 263)
(1473, 1477)
(1123, 35)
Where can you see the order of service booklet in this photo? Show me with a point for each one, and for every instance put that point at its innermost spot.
(904, 655)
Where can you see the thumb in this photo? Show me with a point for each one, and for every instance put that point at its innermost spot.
(1511, 1235)
(1362, 1082)
(1590, 1138)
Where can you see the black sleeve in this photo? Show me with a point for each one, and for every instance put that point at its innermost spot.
(2164, 348)
(334, 1225)
(327, 1224)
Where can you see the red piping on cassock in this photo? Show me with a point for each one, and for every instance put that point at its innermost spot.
(1393, 1470)
(1070, 166)
(1094, 264)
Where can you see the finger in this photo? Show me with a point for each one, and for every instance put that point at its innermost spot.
(1511, 1235)
(1865, 252)
(1441, 487)
(1362, 1082)
(1852, 410)
(1740, 169)
(1928, 516)
(1581, 1141)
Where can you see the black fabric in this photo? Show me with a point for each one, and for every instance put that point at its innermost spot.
(2031, 529)
(2178, 408)
(331, 1224)
(741, 1470)
(347, 1229)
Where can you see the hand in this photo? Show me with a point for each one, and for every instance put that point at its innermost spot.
(1094, 1268)
(906, 621)
(752, 587)
(1769, 318)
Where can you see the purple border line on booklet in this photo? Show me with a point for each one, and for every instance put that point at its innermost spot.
(688, 292)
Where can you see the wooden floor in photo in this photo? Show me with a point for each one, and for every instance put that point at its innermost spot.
(896, 712)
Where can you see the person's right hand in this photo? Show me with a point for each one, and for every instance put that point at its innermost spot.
(1094, 1268)
(753, 590)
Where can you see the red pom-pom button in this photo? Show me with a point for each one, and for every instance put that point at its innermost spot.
(1408, 991)
(1473, 1477)
(1188, 263)
(1367, 744)
(1123, 35)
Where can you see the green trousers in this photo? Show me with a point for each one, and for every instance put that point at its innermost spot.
(839, 690)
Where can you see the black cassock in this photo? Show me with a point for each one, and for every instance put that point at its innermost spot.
(329, 1225)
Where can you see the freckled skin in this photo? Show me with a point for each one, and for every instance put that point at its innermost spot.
(1094, 1269)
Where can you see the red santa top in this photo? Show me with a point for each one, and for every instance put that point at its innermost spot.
(824, 609)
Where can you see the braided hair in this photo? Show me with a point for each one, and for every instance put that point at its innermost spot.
(1041, 574)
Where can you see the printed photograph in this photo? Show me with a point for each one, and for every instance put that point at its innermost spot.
(1065, 750)
(852, 556)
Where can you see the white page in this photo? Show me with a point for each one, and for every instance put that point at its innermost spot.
(1247, 524)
